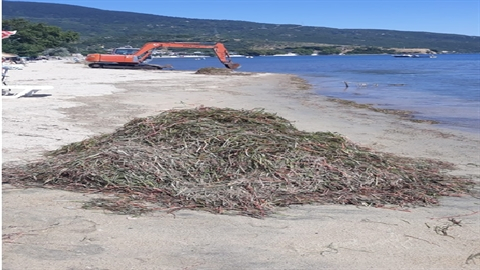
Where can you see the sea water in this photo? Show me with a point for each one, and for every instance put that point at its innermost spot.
(445, 89)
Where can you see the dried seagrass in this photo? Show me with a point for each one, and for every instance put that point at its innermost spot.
(246, 161)
(214, 71)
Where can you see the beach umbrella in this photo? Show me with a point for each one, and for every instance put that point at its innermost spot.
(6, 34)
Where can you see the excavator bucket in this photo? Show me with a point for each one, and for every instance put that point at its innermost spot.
(232, 65)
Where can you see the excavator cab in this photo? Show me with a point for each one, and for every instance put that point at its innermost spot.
(125, 51)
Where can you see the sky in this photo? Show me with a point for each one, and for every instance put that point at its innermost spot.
(437, 16)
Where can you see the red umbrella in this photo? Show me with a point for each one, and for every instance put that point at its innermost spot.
(6, 34)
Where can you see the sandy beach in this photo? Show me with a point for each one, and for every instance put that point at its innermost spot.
(49, 229)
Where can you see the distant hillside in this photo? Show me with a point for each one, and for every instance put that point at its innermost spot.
(114, 28)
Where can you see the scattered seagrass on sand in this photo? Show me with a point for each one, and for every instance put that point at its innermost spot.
(241, 161)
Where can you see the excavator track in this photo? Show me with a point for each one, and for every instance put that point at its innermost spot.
(119, 66)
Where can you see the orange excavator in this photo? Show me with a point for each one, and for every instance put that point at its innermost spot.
(137, 59)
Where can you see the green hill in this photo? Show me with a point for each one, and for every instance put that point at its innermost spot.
(113, 28)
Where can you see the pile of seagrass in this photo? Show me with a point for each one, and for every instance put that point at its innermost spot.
(234, 160)
(219, 71)
(212, 70)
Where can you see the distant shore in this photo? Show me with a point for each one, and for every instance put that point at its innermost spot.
(48, 227)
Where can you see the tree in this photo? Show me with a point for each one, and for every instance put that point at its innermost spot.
(33, 38)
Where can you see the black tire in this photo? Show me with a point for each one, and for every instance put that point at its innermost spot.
(95, 65)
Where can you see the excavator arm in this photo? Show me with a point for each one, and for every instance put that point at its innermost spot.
(99, 60)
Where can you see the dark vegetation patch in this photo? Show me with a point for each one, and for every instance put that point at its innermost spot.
(220, 71)
(408, 115)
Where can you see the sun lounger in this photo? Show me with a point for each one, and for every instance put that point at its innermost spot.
(14, 66)
(24, 90)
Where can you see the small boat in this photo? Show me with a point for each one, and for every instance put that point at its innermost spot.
(425, 56)
(415, 55)
(286, 54)
(403, 55)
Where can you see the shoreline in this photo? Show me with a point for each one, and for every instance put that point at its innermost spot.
(427, 98)
(42, 227)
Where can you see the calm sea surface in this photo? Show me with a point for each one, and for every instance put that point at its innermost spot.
(445, 89)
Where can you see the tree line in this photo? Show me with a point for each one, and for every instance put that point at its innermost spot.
(33, 39)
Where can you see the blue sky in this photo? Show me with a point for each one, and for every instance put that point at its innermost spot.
(438, 16)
